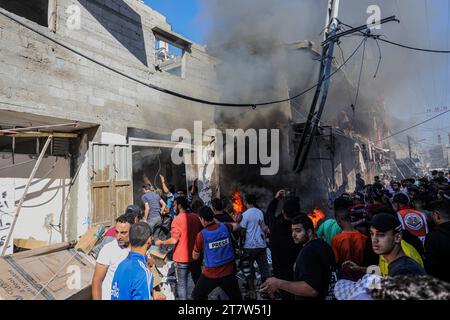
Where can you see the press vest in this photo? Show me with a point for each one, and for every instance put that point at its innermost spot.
(218, 248)
(415, 222)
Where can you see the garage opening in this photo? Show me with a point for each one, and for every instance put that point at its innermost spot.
(152, 158)
(35, 10)
(151, 162)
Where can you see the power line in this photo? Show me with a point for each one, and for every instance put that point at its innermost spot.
(378, 37)
(406, 46)
(416, 125)
(170, 92)
(359, 78)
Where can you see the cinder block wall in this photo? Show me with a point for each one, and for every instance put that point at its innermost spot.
(38, 76)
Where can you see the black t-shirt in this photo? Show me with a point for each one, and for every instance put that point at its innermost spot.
(314, 265)
(224, 218)
(404, 266)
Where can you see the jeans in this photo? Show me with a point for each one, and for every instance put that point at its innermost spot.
(187, 275)
(153, 222)
(260, 256)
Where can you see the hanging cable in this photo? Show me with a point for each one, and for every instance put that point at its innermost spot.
(157, 88)
(378, 37)
(413, 126)
(379, 60)
(359, 78)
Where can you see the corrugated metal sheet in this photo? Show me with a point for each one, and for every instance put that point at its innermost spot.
(101, 162)
(122, 161)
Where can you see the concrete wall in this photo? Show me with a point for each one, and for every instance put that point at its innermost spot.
(38, 76)
(44, 78)
(45, 198)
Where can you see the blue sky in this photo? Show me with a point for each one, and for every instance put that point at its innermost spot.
(182, 15)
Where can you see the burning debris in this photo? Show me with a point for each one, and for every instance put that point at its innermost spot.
(238, 205)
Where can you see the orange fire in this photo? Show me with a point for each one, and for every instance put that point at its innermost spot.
(238, 205)
(316, 216)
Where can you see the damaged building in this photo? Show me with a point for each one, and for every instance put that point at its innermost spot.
(347, 141)
(78, 104)
(73, 91)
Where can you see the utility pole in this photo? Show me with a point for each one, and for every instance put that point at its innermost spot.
(332, 15)
(326, 62)
(330, 38)
(409, 147)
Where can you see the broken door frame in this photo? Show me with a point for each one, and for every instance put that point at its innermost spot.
(154, 143)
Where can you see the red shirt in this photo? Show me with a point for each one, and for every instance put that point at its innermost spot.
(349, 245)
(219, 272)
(111, 232)
(185, 227)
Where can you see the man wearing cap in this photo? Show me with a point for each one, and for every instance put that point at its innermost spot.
(386, 235)
(412, 220)
(437, 242)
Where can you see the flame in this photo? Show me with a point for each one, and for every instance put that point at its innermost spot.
(316, 216)
(238, 205)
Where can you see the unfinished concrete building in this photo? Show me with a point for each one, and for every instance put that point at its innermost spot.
(77, 71)
(81, 72)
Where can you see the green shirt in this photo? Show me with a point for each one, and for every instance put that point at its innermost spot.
(328, 230)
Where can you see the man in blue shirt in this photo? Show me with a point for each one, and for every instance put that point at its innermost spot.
(133, 279)
(154, 206)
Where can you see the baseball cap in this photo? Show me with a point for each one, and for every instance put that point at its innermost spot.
(385, 222)
(133, 210)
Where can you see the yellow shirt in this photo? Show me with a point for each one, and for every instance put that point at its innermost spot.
(408, 250)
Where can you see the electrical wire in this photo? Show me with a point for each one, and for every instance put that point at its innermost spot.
(413, 126)
(337, 70)
(157, 88)
(378, 37)
(360, 74)
(379, 60)
(159, 168)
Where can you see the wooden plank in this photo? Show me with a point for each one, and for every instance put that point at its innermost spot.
(158, 254)
(120, 183)
(87, 242)
(29, 243)
(30, 179)
(41, 251)
(44, 277)
(157, 277)
(32, 134)
(101, 184)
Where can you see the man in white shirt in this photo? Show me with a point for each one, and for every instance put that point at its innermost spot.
(109, 258)
(254, 229)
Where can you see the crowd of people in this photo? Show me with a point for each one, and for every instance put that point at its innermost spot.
(387, 240)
